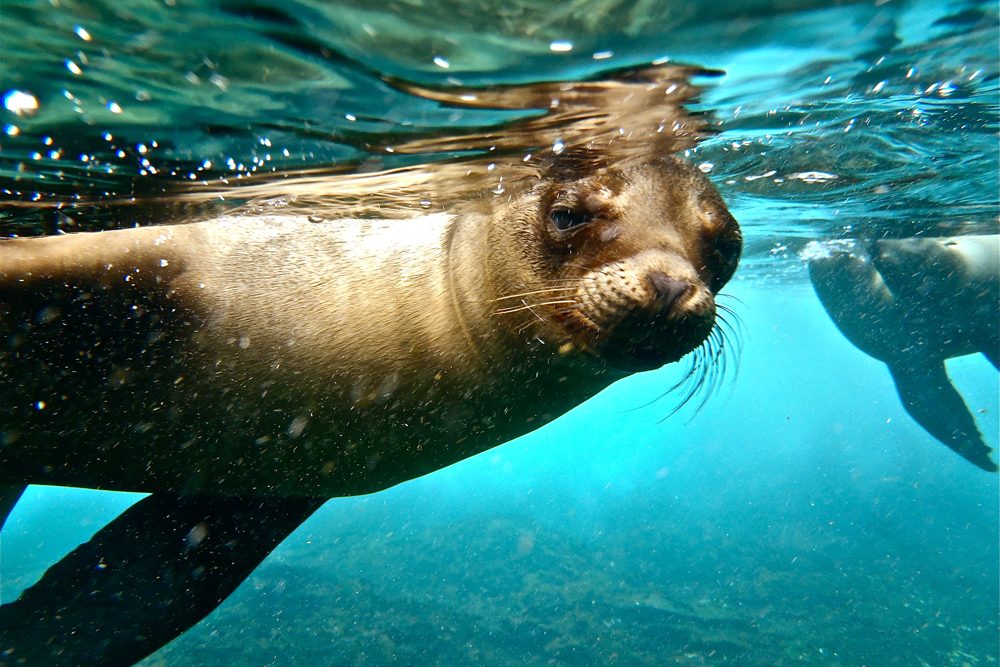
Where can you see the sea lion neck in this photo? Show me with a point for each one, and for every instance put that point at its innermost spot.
(467, 281)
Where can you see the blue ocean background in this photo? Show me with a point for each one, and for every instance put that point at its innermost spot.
(798, 517)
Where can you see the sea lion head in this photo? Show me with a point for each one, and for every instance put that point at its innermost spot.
(622, 263)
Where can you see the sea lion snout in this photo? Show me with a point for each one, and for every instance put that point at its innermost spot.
(646, 312)
(667, 289)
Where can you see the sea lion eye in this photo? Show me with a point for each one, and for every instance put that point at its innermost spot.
(565, 219)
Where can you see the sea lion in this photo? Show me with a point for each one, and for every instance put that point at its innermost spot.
(267, 355)
(912, 304)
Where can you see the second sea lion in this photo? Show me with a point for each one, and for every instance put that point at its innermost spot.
(912, 304)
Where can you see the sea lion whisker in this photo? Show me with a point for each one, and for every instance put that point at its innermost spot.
(732, 334)
(731, 297)
(694, 379)
(524, 327)
(674, 387)
(538, 291)
(530, 306)
(707, 372)
(588, 269)
(723, 310)
(721, 357)
(724, 325)
(709, 364)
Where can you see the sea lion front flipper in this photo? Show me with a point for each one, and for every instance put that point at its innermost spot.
(857, 300)
(931, 399)
(145, 578)
(9, 495)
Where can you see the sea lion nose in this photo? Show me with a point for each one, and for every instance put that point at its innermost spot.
(667, 289)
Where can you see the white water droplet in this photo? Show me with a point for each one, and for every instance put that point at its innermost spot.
(20, 103)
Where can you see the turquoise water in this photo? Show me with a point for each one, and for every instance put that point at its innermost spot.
(799, 517)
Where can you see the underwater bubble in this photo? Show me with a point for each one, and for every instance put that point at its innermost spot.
(20, 103)
(813, 176)
(219, 81)
(824, 249)
(297, 426)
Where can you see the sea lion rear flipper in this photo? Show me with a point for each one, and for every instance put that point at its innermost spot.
(145, 578)
(931, 399)
(9, 495)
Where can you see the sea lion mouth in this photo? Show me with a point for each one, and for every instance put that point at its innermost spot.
(643, 329)
(640, 344)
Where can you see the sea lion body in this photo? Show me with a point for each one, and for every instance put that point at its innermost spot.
(191, 360)
(912, 304)
(950, 289)
(267, 354)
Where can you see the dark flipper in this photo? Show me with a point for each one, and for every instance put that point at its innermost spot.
(858, 301)
(145, 578)
(931, 399)
(9, 495)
